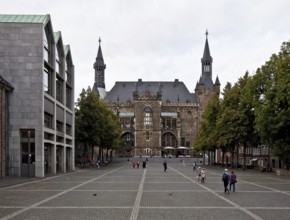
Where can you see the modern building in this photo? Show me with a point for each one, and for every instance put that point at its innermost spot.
(158, 117)
(5, 90)
(40, 116)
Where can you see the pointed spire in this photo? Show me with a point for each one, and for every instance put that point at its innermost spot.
(100, 66)
(99, 58)
(206, 52)
(217, 81)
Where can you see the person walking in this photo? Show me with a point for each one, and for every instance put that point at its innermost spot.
(198, 174)
(225, 179)
(165, 165)
(194, 166)
(233, 180)
(144, 164)
(202, 175)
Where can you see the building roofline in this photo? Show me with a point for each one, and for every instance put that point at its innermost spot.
(16, 18)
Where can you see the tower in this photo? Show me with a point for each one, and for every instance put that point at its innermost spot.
(99, 66)
(206, 61)
(205, 86)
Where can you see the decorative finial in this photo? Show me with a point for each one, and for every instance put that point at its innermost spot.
(206, 33)
(100, 41)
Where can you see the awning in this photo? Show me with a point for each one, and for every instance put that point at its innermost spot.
(166, 148)
(169, 114)
(183, 148)
(126, 114)
(254, 159)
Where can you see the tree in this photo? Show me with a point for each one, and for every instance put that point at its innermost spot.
(272, 102)
(207, 137)
(95, 124)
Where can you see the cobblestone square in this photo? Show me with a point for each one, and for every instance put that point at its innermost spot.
(119, 192)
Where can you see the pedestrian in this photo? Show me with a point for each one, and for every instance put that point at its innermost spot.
(225, 179)
(144, 164)
(138, 164)
(194, 166)
(233, 180)
(202, 175)
(134, 164)
(165, 165)
(198, 174)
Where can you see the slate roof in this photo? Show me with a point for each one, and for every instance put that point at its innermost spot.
(206, 81)
(174, 92)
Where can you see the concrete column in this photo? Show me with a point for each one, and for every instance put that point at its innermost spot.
(64, 159)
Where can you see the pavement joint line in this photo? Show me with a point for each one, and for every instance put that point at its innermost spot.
(222, 198)
(38, 180)
(55, 196)
(136, 206)
(147, 207)
(265, 187)
(278, 179)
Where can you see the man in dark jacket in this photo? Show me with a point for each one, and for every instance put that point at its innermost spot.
(165, 165)
(225, 179)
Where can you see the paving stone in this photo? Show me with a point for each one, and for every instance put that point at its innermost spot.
(119, 192)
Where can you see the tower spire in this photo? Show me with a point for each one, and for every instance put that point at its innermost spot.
(100, 66)
(206, 64)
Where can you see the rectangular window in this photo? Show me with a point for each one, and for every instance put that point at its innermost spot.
(48, 120)
(68, 97)
(174, 123)
(67, 72)
(59, 126)
(168, 122)
(59, 89)
(182, 141)
(46, 54)
(68, 129)
(47, 81)
(162, 122)
(147, 120)
(47, 46)
(58, 68)
(147, 136)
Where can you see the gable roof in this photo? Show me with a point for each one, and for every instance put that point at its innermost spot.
(170, 91)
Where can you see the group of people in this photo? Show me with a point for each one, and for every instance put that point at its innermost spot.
(229, 179)
(137, 163)
(200, 174)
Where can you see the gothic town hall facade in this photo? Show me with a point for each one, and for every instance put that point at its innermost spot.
(157, 118)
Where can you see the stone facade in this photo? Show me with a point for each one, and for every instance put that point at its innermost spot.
(33, 60)
(159, 118)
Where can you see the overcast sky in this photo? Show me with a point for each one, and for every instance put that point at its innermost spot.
(163, 40)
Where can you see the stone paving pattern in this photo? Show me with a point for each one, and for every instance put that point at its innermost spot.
(120, 192)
